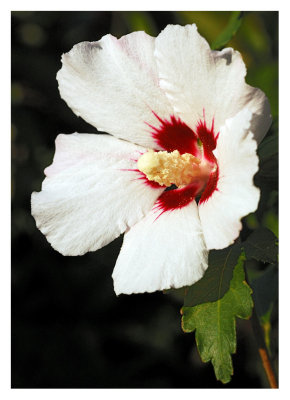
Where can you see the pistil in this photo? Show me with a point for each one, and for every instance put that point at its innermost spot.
(170, 168)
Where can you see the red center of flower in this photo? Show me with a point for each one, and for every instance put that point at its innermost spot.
(174, 134)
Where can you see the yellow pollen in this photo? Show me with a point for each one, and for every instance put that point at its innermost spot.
(169, 168)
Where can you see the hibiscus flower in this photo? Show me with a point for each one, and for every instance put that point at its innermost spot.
(176, 172)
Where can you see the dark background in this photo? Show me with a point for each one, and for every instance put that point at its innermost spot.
(69, 330)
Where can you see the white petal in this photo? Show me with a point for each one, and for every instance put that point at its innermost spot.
(89, 197)
(197, 79)
(236, 196)
(113, 85)
(161, 252)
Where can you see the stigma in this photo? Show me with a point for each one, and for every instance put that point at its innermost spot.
(170, 168)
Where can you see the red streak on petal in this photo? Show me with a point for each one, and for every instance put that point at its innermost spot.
(206, 135)
(176, 198)
(208, 138)
(211, 186)
(147, 182)
(174, 134)
(144, 178)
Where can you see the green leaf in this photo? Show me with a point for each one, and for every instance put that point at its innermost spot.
(216, 280)
(262, 246)
(230, 30)
(214, 324)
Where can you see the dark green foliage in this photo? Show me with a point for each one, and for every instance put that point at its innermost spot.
(216, 280)
(262, 246)
(265, 290)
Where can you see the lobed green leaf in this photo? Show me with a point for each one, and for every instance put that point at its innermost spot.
(214, 323)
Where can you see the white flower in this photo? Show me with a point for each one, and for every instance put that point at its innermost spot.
(191, 105)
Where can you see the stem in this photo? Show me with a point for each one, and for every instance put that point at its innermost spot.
(266, 362)
(262, 348)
